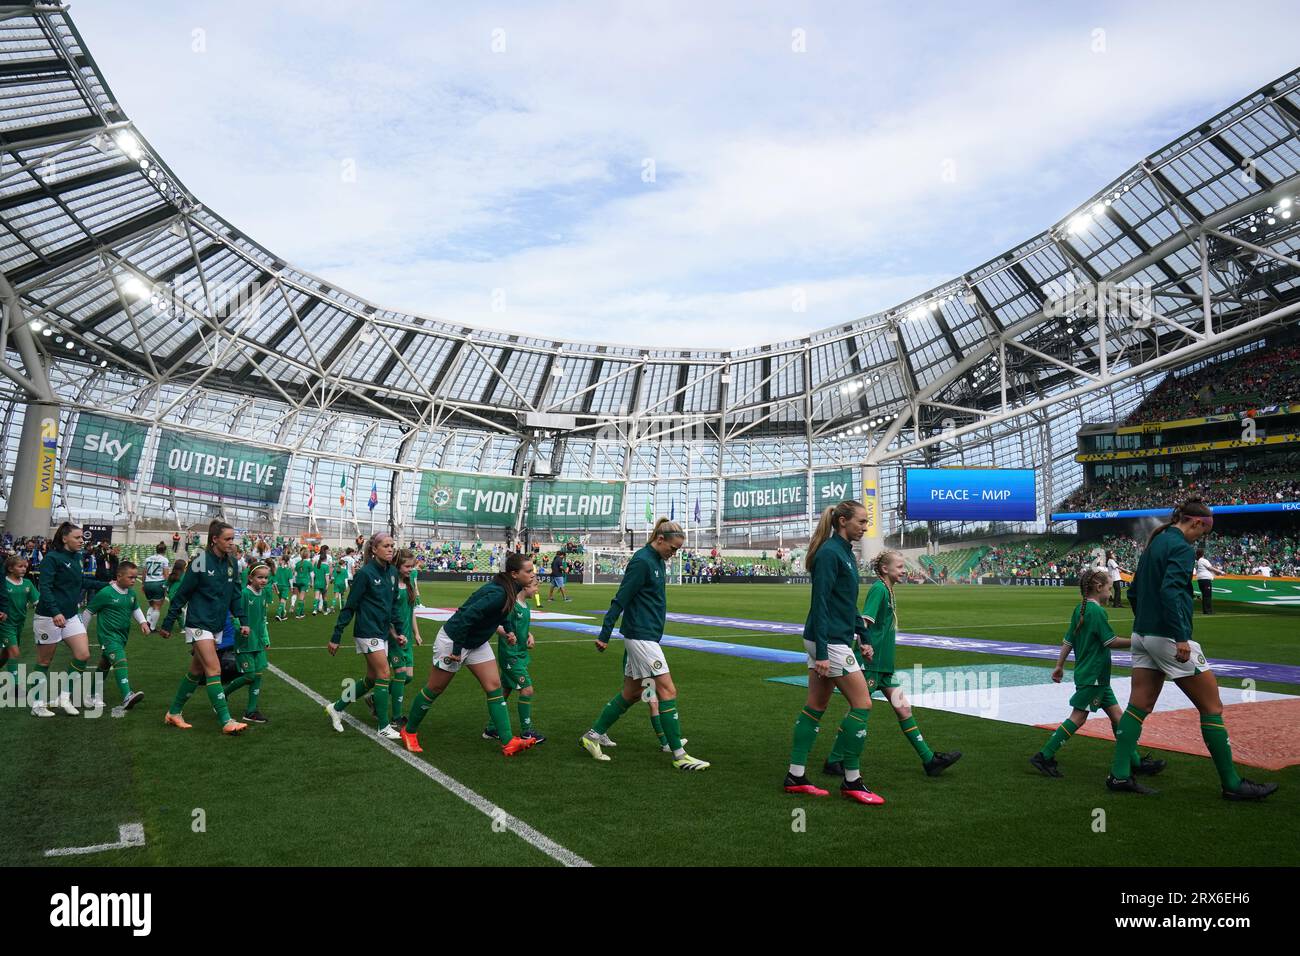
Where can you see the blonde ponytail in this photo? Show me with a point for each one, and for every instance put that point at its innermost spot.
(827, 525)
(664, 528)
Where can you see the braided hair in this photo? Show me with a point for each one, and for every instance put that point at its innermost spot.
(1090, 582)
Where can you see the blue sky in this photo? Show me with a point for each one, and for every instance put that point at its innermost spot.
(845, 155)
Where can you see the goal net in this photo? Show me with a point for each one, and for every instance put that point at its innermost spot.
(606, 566)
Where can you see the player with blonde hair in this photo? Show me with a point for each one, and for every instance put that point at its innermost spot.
(642, 602)
(877, 662)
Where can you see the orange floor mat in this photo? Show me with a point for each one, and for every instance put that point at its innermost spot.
(1265, 734)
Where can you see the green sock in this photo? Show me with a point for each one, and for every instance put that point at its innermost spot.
(852, 737)
(525, 704)
(217, 699)
(41, 689)
(913, 734)
(1059, 736)
(359, 689)
(668, 718)
(1137, 761)
(500, 713)
(243, 680)
(615, 709)
(1215, 736)
(382, 704)
(253, 694)
(657, 725)
(419, 707)
(123, 684)
(1126, 742)
(76, 674)
(397, 694)
(189, 684)
(806, 727)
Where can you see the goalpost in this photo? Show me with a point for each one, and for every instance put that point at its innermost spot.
(606, 565)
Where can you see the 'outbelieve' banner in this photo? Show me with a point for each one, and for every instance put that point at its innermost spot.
(210, 467)
(783, 496)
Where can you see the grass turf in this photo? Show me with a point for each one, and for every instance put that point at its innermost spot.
(293, 792)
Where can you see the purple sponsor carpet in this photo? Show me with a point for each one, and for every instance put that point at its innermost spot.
(1281, 673)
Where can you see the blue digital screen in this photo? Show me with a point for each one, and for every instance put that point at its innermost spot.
(971, 494)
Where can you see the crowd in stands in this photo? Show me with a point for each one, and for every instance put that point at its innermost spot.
(1235, 554)
(33, 549)
(1023, 559)
(1258, 379)
(1275, 482)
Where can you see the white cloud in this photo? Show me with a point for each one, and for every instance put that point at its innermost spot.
(521, 170)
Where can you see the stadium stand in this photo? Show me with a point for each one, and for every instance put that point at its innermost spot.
(1258, 378)
(1277, 481)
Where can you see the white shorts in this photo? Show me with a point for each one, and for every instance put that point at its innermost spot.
(1158, 654)
(643, 659)
(195, 634)
(843, 661)
(443, 647)
(372, 645)
(47, 633)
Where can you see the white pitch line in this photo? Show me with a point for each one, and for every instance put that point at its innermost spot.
(479, 803)
(129, 834)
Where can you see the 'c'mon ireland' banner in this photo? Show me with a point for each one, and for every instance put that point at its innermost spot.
(210, 467)
(108, 447)
(448, 497)
(575, 505)
(783, 496)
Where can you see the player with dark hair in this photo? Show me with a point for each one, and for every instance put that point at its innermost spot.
(465, 641)
(209, 593)
(1163, 648)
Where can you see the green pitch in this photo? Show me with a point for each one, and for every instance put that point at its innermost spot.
(294, 792)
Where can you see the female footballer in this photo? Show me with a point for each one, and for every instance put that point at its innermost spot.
(155, 582)
(283, 586)
(301, 583)
(401, 657)
(642, 602)
(878, 664)
(320, 575)
(209, 592)
(829, 635)
(513, 646)
(465, 640)
(1163, 647)
(372, 600)
(56, 620)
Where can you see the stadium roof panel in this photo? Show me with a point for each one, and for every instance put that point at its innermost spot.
(86, 205)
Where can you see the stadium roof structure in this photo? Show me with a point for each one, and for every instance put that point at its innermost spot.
(130, 293)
